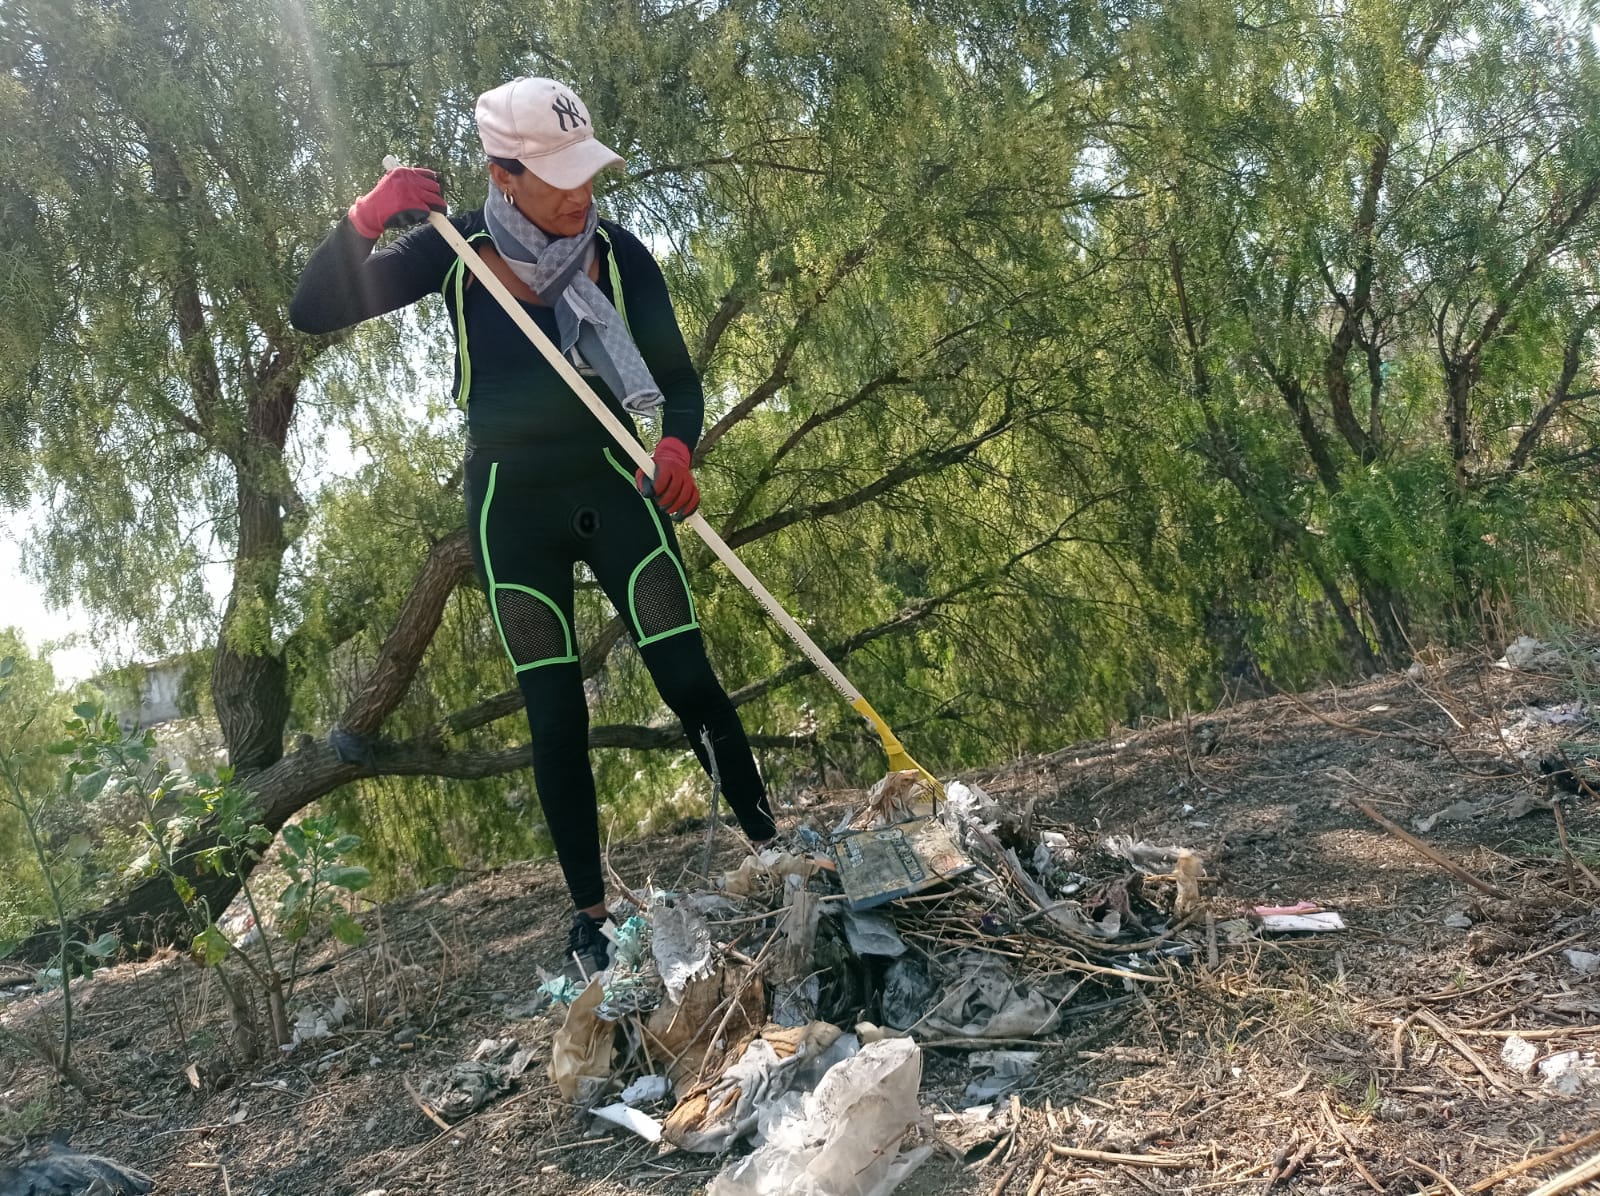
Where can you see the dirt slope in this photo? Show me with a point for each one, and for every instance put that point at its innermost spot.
(1365, 1060)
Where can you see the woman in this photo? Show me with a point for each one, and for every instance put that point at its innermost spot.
(545, 488)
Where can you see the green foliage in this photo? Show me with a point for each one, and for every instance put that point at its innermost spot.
(1072, 362)
(314, 851)
(78, 782)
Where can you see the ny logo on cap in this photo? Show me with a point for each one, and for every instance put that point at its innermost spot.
(565, 108)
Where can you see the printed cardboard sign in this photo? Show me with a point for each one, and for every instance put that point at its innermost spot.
(878, 865)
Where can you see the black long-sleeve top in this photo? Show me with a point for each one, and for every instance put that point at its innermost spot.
(515, 401)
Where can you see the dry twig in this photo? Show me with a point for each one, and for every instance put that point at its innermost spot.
(1431, 853)
(1483, 1185)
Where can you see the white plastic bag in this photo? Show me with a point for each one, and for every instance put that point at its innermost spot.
(843, 1138)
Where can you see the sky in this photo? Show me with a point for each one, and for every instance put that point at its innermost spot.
(22, 606)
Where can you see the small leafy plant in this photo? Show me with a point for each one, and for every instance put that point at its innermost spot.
(81, 780)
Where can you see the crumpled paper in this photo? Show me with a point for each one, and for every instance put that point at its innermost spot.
(783, 1058)
(683, 1030)
(681, 945)
(581, 1050)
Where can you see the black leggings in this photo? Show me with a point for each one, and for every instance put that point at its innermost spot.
(530, 524)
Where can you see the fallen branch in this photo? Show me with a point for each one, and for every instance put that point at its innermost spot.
(1581, 1174)
(427, 1110)
(1483, 1185)
(1453, 1040)
(1431, 853)
(1106, 1156)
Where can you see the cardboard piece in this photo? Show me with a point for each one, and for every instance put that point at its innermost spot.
(880, 864)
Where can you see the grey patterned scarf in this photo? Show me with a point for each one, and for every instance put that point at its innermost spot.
(557, 268)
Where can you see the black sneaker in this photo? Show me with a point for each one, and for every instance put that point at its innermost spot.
(588, 949)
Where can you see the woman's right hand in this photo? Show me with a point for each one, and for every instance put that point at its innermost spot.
(403, 196)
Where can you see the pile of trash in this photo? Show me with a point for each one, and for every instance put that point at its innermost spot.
(789, 1002)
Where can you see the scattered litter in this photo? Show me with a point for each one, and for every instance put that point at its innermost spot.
(1585, 963)
(970, 1130)
(1293, 923)
(464, 1088)
(563, 990)
(842, 1138)
(718, 1114)
(758, 872)
(1568, 714)
(580, 1052)
(1569, 1072)
(1525, 652)
(681, 1030)
(681, 944)
(316, 1022)
(1460, 811)
(629, 1118)
(1457, 921)
(1189, 868)
(1003, 1071)
(1519, 1054)
(871, 933)
(907, 991)
(985, 1002)
(879, 864)
(646, 1090)
(1146, 857)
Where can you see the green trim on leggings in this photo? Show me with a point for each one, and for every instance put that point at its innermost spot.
(495, 587)
(666, 548)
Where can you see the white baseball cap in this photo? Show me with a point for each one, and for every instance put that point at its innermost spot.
(543, 125)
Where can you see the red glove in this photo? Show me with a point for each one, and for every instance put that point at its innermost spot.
(403, 196)
(673, 489)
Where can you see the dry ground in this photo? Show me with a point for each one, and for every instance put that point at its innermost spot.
(1367, 1060)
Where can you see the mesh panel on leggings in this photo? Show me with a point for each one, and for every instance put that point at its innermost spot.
(660, 602)
(532, 629)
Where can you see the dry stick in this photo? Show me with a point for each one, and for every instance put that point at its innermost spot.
(1534, 1035)
(423, 1105)
(1005, 1178)
(1037, 1185)
(1347, 1146)
(1437, 857)
(1582, 1173)
(1106, 1156)
(1453, 1040)
(1483, 1185)
(716, 792)
(1421, 1166)
(1573, 860)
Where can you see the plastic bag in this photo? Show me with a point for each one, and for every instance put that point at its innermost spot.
(842, 1139)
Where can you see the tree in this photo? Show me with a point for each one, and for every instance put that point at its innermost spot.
(173, 173)
(1065, 361)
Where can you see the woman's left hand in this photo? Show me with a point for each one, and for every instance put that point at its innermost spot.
(674, 488)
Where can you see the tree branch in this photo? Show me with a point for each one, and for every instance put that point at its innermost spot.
(1560, 393)
(390, 676)
(779, 374)
(918, 464)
